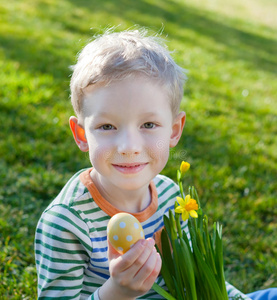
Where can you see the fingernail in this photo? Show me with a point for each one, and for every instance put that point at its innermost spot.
(144, 242)
(151, 242)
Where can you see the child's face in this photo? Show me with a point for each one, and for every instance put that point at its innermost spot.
(129, 128)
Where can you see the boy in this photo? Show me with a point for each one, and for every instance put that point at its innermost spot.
(126, 92)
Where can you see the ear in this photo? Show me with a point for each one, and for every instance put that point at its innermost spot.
(177, 129)
(79, 134)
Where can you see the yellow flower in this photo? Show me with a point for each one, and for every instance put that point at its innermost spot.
(187, 207)
(184, 167)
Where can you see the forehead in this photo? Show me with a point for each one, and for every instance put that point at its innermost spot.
(134, 93)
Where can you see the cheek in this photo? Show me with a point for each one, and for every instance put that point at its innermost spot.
(99, 151)
(100, 154)
(159, 149)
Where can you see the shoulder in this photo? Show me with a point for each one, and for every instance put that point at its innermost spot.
(65, 211)
(167, 191)
(165, 185)
(73, 192)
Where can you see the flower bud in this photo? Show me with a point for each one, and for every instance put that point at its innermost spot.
(184, 167)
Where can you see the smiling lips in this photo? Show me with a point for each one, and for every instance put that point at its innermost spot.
(130, 168)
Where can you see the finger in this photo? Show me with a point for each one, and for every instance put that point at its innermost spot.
(112, 253)
(148, 267)
(125, 261)
(155, 273)
(141, 259)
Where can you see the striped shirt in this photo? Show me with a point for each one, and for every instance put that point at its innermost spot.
(71, 237)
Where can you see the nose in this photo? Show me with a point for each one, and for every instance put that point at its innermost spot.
(129, 143)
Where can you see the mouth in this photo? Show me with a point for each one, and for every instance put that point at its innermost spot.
(130, 168)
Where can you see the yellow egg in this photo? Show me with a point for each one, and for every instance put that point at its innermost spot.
(123, 231)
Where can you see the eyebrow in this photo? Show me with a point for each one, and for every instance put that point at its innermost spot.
(105, 114)
(151, 114)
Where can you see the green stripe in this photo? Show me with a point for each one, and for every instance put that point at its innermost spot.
(186, 225)
(159, 183)
(62, 288)
(92, 211)
(92, 229)
(60, 260)
(168, 199)
(97, 285)
(105, 218)
(166, 189)
(61, 250)
(54, 225)
(59, 297)
(57, 238)
(59, 215)
(59, 271)
(83, 202)
(66, 278)
(160, 279)
(87, 293)
(69, 184)
(100, 229)
(73, 196)
(63, 229)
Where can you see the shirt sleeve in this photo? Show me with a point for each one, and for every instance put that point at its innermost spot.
(62, 250)
(235, 294)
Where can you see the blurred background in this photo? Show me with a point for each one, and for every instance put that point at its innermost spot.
(230, 137)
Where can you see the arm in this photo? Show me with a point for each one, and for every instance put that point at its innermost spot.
(62, 249)
(133, 273)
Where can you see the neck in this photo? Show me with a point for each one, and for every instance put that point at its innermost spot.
(132, 201)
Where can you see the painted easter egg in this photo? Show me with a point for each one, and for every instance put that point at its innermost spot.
(123, 231)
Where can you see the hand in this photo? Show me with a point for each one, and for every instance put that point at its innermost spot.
(133, 273)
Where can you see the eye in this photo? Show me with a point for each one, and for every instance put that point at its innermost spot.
(107, 127)
(149, 125)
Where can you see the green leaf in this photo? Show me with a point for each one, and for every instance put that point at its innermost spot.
(219, 260)
(209, 281)
(208, 245)
(190, 191)
(162, 292)
(179, 175)
(167, 270)
(177, 258)
(172, 227)
(187, 266)
(200, 219)
(181, 190)
(178, 223)
(167, 226)
(194, 195)
(180, 295)
(200, 242)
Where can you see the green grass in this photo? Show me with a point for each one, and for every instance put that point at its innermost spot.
(230, 136)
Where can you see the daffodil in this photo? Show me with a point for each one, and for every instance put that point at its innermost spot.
(187, 207)
(184, 167)
(202, 252)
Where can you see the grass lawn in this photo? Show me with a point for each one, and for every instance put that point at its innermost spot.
(230, 138)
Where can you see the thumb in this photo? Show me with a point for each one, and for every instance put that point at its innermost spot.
(112, 253)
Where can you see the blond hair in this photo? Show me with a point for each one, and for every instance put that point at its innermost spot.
(119, 55)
